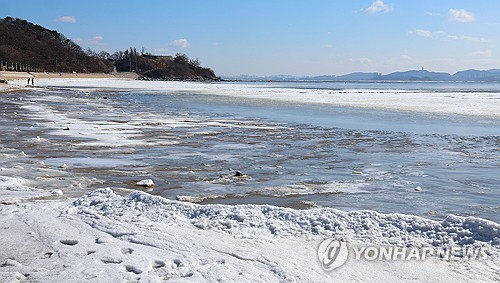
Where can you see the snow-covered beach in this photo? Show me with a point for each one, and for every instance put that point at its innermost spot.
(104, 237)
(60, 222)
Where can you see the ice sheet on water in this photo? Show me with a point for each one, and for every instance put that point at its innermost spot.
(15, 190)
(89, 162)
(469, 103)
(314, 189)
(285, 191)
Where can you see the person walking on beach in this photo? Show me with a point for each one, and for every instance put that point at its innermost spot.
(33, 81)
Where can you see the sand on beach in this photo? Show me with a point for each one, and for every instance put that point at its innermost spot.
(8, 79)
(124, 75)
(10, 76)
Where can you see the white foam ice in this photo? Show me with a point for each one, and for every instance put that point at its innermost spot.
(103, 133)
(14, 190)
(270, 221)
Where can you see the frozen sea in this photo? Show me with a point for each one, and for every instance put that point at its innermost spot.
(425, 149)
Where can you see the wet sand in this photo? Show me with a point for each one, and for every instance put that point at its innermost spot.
(23, 76)
(125, 75)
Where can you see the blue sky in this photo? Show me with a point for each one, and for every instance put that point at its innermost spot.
(263, 37)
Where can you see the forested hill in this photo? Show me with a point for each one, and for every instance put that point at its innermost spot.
(150, 66)
(25, 43)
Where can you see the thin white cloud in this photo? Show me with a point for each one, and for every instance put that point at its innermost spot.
(460, 15)
(432, 14)
(67, 19)
(405, 57)
(444, 35)
(421, 32)
(468, 38)
(483, 53)
(377, 7)
(96, 39)
(363, 60)
(180, 43)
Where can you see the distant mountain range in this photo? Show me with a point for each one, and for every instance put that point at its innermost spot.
(412, 75)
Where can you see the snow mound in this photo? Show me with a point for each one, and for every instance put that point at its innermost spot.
(257, 221)
(146, 183)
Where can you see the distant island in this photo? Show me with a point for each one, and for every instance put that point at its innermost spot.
(412, 75)
(32, 48)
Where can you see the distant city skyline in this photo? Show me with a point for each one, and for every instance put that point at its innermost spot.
(270, 37)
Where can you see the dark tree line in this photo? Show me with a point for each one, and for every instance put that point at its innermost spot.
(25, 43)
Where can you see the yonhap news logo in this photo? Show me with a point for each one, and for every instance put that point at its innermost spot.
(334, 253)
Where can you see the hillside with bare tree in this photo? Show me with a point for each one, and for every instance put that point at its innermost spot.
(28, 47)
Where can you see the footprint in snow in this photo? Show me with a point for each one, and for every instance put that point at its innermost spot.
(133, 269)
(108, 260)
(177, 263)
(158, 264)
(69, 242)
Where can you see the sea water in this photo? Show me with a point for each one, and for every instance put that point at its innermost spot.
(213, 148)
